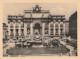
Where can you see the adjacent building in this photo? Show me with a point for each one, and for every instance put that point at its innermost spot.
(67, 28)
(73, 25)
(5, 31)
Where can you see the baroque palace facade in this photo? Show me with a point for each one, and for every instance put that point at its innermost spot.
(36, 22)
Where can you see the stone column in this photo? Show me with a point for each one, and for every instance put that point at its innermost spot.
(20, 29)
(59, 28)
(43, 24)
(14, 29)
(25, 29)
(54, 28)
(64, 28)
(8, 29)
(31, 25)
(49, 28)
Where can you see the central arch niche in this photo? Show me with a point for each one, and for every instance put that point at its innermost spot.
(37, 29)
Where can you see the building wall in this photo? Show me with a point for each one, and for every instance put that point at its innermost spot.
(23, 26)
(67, 27)
(5, 31)
(26, 28)
(73, 25)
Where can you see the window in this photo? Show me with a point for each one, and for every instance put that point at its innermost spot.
(46, 28)
(61, 26)
(8, 22)
(22, 25)
(61, 31)
(22, 32)
(16, 25)
(28, 25)
(56, 31)
(56, 25)
(17, 32)
(11, 25)
(11, 32)
(51, 29)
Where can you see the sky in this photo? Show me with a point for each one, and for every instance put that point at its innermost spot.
(55, 8)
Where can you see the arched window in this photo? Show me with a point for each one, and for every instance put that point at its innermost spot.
(51, 25)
